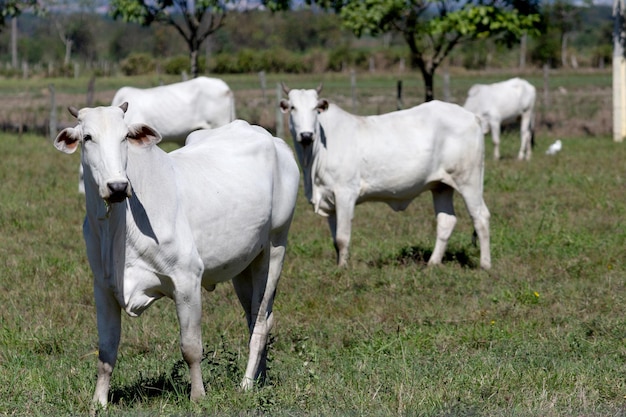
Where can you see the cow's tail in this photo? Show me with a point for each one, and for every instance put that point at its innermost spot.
(532, 130)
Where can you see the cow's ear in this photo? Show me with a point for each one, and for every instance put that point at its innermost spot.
(67, 140)
(143, 135)
(284, 106)
(322, 105)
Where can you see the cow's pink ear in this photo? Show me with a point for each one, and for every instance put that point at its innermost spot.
(67, 140)
(322, 105)
(143, 135)
(284, 106)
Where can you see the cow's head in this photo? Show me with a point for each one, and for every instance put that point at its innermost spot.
(303, 107)
(105, 139)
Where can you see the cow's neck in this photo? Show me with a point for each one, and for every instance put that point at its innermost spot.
(314, 173)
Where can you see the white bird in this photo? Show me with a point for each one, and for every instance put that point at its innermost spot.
(554, 148)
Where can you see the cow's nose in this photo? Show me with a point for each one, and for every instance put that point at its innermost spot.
(118, 191)
(306, 138)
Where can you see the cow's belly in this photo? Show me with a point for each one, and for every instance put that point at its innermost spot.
(228, 251)
(397, 198)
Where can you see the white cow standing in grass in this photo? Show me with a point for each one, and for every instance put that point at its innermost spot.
(391, 158)
(504, 102)
(167, 224)
(177, 109)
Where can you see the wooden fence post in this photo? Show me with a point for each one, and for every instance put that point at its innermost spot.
(353, 89)
(90, 91)
(399, 104)
(546, 87)
(262, 80)
(280, 130)
(52, 123)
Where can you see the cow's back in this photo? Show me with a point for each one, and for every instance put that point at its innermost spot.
(240, 186)
(399, 154)
(175, 110)
(503, 100)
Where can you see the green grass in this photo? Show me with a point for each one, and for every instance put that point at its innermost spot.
(541, 334)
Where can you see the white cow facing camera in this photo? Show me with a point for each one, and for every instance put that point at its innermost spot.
(168, 224)
(391, 158)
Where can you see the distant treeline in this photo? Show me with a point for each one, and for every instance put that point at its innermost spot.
(295, 42)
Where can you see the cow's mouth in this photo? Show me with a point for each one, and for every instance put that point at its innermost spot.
(117, 197)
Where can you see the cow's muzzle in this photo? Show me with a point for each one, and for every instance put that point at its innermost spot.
(306, 138)
(118, 191)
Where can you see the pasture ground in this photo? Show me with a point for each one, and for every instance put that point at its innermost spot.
(541, 334)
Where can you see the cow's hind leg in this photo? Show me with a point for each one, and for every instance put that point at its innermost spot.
(526, 127)
(256, 288)
(494, 126)
(446, 220)
(480, 215)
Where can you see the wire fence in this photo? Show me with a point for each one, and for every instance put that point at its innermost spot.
(567, 104)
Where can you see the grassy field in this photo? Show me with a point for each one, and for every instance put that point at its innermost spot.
(541, 334)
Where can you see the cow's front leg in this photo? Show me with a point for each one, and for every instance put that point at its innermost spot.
(525, 150)
(189, 309)
(340, 223)
(495, 138)
(108, 316)
(446, 220)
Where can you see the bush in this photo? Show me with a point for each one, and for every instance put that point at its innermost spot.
(180, 63)
(176, 65)
(137, 64)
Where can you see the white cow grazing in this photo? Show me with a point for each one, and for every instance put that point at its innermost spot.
(160, 224)
(392, 158)
(175, 110)
(505, 102)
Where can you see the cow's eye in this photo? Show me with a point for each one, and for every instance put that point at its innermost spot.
(87, 138)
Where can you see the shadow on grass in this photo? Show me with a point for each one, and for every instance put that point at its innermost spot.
(417, 255)
(176, 382)
(221, 364)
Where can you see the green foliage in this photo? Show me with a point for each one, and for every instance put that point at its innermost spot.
(179, 64)
(137, 64)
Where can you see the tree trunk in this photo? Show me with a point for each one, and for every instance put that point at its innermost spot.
(522, 51)
(564, 49)
(68, 51)
(193, 58)
(14, 42)
(429, 84)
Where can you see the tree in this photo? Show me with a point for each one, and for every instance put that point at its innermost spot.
(195, 20)
(433, 28)
(11, 9)
(563, 17)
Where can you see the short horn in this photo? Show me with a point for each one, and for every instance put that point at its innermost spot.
(319, 88)
(124, 106)
(73, 111)
(286, 89)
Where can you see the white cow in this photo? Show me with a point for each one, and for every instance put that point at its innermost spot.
(505, 102)
(160, 224)
(392, 158)
(175, 110)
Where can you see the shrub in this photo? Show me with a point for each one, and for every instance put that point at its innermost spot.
(137, 64)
